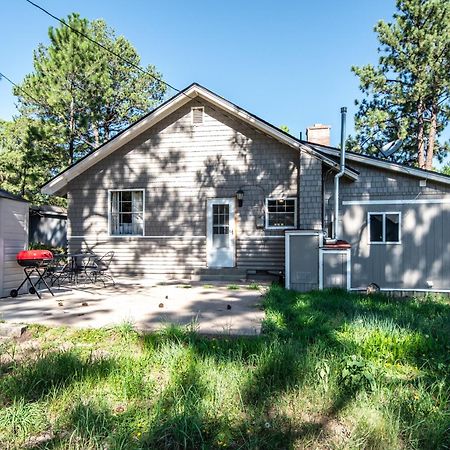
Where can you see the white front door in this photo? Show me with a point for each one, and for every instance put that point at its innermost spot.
(220, 232)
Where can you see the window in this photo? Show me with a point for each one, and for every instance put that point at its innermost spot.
(281, 213)
(384, 227)
(221, 226)
(197, 115)
(126, 213)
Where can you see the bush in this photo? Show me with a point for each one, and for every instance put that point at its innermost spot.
(41, 246)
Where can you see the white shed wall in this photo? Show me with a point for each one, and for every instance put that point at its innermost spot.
(13, 238)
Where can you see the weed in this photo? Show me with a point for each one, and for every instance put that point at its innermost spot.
(233, 287)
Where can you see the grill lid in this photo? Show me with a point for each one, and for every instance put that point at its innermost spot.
(26, 255)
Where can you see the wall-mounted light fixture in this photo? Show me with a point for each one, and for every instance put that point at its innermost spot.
(240, 197)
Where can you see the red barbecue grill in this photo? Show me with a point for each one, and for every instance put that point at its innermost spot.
(33, 262)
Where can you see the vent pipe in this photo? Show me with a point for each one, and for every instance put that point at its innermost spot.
(337, 228)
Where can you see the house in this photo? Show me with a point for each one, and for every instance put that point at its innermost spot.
(13, 239)
(201, 187)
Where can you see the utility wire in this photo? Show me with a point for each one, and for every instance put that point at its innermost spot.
(2, 75)
(46, 107)
(104, 47)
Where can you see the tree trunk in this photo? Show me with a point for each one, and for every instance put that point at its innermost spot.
(431, 139)
(96, 136)
(23, 182)
(71, 132)
(420, 136)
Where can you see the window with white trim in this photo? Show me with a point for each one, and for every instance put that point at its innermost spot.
(384, 227)
(126, 213)
(281, 213)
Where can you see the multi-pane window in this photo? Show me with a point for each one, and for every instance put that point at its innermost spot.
(127, 213)
(281, 212)
(384, 227)
(221, 225)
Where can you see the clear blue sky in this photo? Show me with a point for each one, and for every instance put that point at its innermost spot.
(288, 62)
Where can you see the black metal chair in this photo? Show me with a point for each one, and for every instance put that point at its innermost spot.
(100, 270)
(58, 270)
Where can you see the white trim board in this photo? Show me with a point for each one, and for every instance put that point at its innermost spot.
(414, 201)
(442, 291)
(255, 237)
(307, 233)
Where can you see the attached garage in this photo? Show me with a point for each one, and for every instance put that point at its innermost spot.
(13, 238)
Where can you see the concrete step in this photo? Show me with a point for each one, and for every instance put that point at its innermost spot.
(223, 274)
(205, 277)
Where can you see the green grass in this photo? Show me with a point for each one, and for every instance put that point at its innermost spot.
(331, 370)
(233, 287)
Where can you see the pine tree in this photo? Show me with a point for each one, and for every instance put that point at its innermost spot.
(81, 94)
(25, 160)
(407, 96)
(77, 97)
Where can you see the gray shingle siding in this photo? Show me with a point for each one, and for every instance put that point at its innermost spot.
(310, 201)
(180, 166)
(423, 256)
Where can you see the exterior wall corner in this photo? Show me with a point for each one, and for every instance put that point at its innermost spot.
(310, 192)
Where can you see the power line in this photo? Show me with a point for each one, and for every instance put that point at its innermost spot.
(2, 75)
(43, 105)
(104, 47)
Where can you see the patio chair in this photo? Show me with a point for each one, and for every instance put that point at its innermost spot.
(58, 270)
(101, 268)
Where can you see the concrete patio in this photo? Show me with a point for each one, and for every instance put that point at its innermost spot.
(211, 308)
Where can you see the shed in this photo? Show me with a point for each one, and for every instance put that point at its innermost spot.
(13, 238)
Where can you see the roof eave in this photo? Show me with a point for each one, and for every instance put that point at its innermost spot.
(353, 175)
(58, 183)
(387, 165)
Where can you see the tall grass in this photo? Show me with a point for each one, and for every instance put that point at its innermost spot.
(331, 370)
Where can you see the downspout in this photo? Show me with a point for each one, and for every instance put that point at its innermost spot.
(337, 230)
(324, 202)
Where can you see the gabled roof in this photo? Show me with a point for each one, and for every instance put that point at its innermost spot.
(192, 92)
(325, 154)
(9, 196)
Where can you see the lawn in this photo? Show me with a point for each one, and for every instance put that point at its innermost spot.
(331, 370)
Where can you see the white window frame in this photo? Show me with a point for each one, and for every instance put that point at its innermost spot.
(192, 115)
(110, 212)
(267, 227)
(384, 214)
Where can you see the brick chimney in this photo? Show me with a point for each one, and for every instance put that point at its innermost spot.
(318, 134)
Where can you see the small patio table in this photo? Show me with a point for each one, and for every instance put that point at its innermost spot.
(79, 263)
(76, 264)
